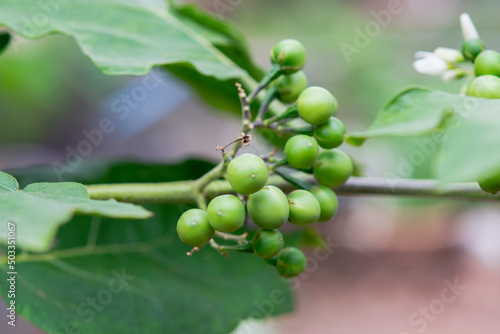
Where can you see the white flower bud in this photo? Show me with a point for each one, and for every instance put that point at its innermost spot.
(468, 29)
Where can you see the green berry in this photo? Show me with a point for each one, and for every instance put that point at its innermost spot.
(193, 228)
(291, 262)
(327, 201)
(333, 168)
(267, 243)
(290, 86)
(290, 54)
(268, 208)
(331, 134)
(301, 151)
(247, 173)
(490, 183)
(486, 86)
(304, 208)
(472, 47)
(226, 213)
(487, 62)
(316, 105)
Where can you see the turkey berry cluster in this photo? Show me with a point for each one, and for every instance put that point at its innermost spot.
(312, 149)
(486, 84)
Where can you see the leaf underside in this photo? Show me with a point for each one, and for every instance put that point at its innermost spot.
(462, 128)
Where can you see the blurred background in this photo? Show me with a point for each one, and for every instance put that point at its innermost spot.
(398, 266)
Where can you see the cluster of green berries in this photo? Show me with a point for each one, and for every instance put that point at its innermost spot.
(486, 68)
(485, 85)
(266, 205)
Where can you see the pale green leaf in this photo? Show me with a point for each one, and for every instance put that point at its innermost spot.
(122, 37)
(41, 208)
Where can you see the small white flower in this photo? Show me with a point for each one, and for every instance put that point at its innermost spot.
(429, 63)
(449, 55)
(468, 29)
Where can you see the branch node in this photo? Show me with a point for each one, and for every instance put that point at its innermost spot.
(195, 249)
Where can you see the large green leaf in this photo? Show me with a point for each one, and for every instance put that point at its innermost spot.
(41, 208)
(471, 147)
(224, 35)
(169, 292)
(414, 111)
(462, 131)
(122, 36)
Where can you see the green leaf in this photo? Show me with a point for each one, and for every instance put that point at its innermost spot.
(122, 37)
(223, 35)
(41, 208)
(8, 183)
(414, 111)
(461, 131)
(169, 292)
(471, 147)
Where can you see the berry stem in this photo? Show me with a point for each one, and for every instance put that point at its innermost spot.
(245, 103)
(182, 191)
(299, 183)
(271, 94)
(305, 130)
(273, 74)
(291, 112)
(223, 249)
(201, 201)
(240, 239)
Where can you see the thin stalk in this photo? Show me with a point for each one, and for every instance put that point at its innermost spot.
(270, 96)
(298, 183)
(182, 191)
(273, 74)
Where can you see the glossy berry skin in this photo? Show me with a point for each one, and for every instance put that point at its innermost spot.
(485, 86)
(226, 213)
(328, 202)
(247, 173)
(316, 105)
(487, 62)
(193, 228)
(490, 183)
(304, 208)
(267, 243)
(268, 208)
(333, 168)
(331, 134)
(290, 54)
(291, 262)
(472, 47)
(301, 151)
(290, 86)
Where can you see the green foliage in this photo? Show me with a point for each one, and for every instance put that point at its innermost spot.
(461, 130)
(41, 208)
(169, 292)
(153, 31)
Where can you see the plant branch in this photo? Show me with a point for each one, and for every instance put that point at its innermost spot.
(182, 191)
